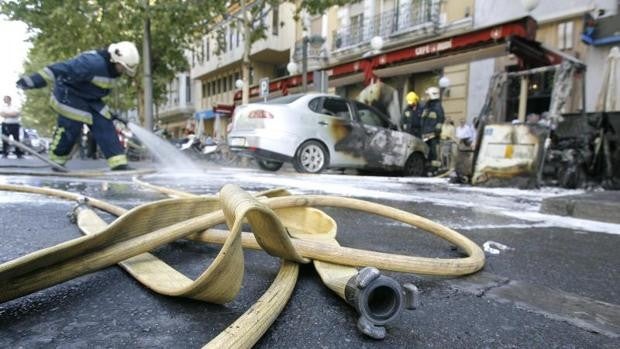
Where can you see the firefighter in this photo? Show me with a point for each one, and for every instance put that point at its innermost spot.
(432, 122)
(410, 120)
(80, 84)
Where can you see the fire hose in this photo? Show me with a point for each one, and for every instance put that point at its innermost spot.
(284, 226)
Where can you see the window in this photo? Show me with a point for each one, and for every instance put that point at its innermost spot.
(336, 107)
(188, 89)
(315, 104)
(202, 51)
(565, 36)
(238, 34)
(219, 86)
(275, 18)
(231, 34)
(231, 83)
(208, 50)
(369, 116)
(205, 89)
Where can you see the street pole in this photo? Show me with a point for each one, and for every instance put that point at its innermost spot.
(304, 64)
(148, 78)
(245, 65)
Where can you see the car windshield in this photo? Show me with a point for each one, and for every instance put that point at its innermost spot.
(285, 99)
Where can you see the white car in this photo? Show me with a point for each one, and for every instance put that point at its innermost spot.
(317, 131)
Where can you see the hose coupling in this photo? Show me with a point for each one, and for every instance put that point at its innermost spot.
(378, 299)
(81, 203)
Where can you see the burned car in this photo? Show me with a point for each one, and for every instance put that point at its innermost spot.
(317, 131)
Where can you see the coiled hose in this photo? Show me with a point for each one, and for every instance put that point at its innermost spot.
(284, 226)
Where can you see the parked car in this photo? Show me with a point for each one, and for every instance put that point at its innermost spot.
(317, 131)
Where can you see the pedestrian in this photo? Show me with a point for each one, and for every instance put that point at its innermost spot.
(80, 84)
(448, 144)
(10, 126)
(410, 119)
(431, 124)
(465, 134)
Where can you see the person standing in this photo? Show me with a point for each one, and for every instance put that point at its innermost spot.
(80, 84)
(10, 126)
(448, 144)
(410, 120)
(432, 122)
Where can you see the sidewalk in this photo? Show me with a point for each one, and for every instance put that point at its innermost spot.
(599, 206)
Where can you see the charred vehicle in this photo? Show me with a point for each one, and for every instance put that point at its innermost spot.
(318, 131)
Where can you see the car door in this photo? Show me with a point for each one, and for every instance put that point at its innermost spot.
(333, 119)
(384, 146)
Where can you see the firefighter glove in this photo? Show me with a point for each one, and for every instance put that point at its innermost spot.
(25, 83)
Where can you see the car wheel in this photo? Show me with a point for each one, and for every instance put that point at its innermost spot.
(311, 157)
(415, 165)
(269, 165)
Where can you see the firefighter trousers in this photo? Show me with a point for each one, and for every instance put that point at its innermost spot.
(68, 132)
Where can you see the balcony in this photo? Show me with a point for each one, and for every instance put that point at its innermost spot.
(316, 56)
(274, 48)
(409, 17)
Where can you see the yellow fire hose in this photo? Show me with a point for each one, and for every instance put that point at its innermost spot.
(356, 289)
(151, 225)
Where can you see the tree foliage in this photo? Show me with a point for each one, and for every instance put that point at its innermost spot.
(63, 28)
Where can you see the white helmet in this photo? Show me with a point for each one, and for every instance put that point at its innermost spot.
(126, 54)
(432, 93)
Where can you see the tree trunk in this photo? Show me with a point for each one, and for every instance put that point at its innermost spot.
(245, 66)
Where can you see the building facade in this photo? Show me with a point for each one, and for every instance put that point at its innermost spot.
(216, 64)
(176, 113)
(348, 32)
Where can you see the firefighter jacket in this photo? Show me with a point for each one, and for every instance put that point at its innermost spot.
(411, 121)
(432, 119)
(79, 85)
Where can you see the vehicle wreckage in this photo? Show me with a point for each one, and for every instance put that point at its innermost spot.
(571, 150)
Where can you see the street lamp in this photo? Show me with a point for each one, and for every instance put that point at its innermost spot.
(316, 41)
(239, 84)
(292, 68)
(376, 43)
(444, 85)
(529, 5)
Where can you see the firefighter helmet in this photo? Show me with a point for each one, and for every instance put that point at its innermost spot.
(432, 93)
(412, 98)
(126, 54)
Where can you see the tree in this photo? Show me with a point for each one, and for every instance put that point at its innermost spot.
(64, 28)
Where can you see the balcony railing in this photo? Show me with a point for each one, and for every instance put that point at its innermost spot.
(399, 20)
(316, 56)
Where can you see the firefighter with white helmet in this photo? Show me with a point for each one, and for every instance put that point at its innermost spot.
(80, 84)
(432, 121)
(410, 120)
(126, 55)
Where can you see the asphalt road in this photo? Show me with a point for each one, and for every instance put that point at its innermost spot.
(558, 286)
